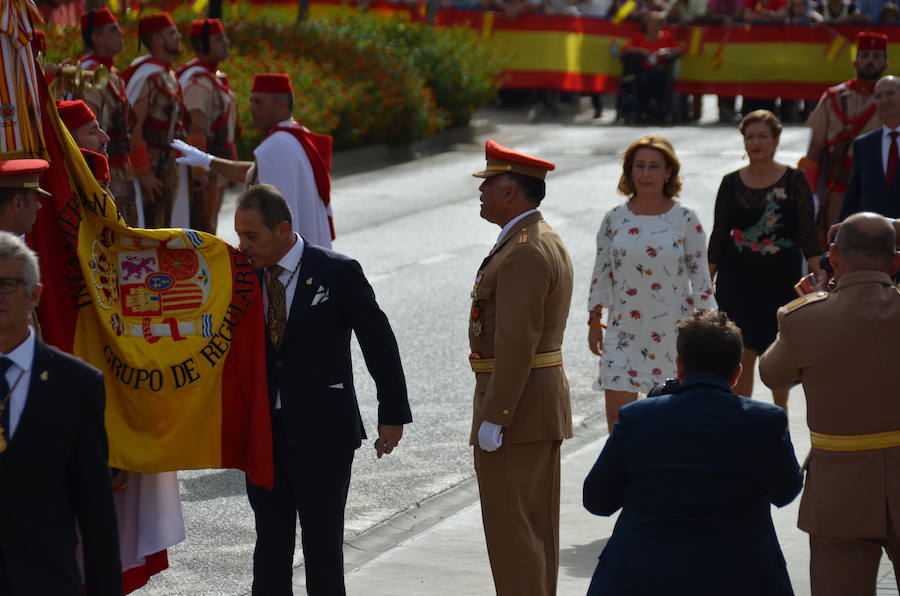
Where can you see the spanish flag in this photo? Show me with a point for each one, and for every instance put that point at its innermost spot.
(172, 317)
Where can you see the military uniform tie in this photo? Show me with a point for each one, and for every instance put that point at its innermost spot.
(5, 404)
(276, 315)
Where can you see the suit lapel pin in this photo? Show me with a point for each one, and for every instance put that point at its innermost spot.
(309, 281)
(44, 376)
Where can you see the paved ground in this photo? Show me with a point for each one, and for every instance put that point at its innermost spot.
(414, 226)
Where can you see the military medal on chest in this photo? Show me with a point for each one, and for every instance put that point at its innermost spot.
(477, 323)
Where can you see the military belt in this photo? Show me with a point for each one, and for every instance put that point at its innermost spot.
(540, 360)
(855, 442)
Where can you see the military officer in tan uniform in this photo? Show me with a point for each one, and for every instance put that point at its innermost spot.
(155, 97)
(843, 347)
(522, 413)
(104, 40)
(844, 112)
(212, 107)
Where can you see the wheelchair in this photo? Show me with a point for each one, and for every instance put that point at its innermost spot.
(648, 95)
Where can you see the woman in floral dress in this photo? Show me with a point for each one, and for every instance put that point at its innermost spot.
(764, 225)
(650, 273)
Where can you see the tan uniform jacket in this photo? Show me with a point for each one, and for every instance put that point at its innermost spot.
(219, 104)
(520, 304)
(840, 115)
(845, 349)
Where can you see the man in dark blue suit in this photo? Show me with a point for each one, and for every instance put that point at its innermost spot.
(694, 473)
(874, 183)
(55, 486)
(315, 299)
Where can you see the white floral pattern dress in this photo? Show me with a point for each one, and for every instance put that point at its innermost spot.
(651, 272)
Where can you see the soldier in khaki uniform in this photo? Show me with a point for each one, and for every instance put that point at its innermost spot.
(844, 112)
(843, 347)
(522, 413)
(104, 39)
(155, 98)
(212, 107)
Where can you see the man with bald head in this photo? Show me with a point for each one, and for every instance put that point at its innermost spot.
(874, 183)
(843, 347)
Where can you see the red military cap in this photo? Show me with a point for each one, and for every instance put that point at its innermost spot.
(98, 165)
(23, 173)
(272, 83)
(154, 23)
(74, 114)
(867, 40)
(215, 27)
(39, 41)
(93, 19)
(501, 160)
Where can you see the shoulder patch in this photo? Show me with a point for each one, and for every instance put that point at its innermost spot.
(804, 300)
(523, 236)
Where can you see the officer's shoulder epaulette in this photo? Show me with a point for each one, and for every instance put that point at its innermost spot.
(522, 238)
(804, 300)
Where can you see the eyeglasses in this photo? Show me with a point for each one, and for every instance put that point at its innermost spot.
(8, 285)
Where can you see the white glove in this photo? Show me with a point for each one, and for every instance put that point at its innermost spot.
(490, 436)
(191, 156)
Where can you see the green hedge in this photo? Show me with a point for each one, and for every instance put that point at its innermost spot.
(364, 79)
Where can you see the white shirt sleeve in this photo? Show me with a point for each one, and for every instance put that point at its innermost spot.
(282, 162)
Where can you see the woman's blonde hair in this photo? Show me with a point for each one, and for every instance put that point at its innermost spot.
(672, 186)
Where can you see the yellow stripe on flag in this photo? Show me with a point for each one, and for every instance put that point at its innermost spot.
(696, 40)
(837, 46)
(487, 25)
(624, 11)
(199, 6)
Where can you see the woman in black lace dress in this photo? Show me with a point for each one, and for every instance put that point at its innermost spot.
(764, 227)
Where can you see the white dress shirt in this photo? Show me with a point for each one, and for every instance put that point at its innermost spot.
(509, 225)
(22, 358)
(289, 262)
(886, 145)
(282, 162)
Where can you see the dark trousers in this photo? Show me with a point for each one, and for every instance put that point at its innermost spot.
(314, 487)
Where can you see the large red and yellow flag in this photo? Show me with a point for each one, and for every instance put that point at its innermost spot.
(172, 317)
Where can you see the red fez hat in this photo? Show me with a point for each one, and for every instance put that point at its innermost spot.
(215, 27)
(272, 83)
(74, 114)
(39, 41)
(154, 23)
(871, 41)
(98, 165)
(94, 19)
(501, 160)
(23, 173)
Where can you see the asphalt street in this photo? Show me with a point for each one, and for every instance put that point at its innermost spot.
(416, 231)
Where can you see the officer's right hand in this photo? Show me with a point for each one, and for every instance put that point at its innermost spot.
(832, 232)
(191, 156)
(490, 436)
(150, 185)
(595, 340)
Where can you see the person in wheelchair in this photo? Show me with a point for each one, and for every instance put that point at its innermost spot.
(648, 59)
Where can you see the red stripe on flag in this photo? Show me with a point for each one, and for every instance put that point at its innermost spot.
(55, 239)
(246, 422)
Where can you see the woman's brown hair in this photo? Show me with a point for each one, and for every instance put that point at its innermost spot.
(764, 116)
(672, 186)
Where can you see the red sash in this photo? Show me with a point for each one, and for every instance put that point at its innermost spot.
(129, 72)
(856, 124)
(318, 149)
